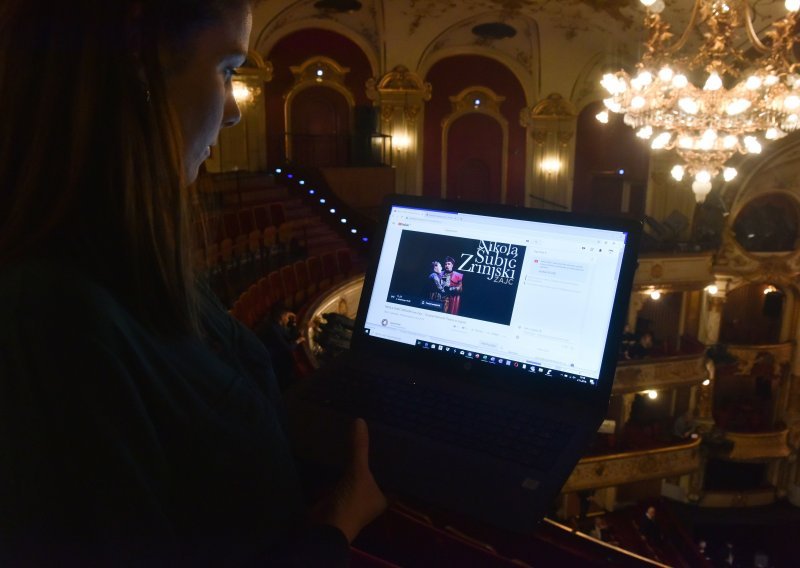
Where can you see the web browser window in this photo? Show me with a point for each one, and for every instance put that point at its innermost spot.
(529, 295)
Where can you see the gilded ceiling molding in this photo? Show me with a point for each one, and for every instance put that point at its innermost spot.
(780, 268)
(319, 70)
(774, 171)
(552, 115)
(477, 99)
(399, 90)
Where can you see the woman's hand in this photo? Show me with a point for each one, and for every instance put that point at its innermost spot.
(356, 500)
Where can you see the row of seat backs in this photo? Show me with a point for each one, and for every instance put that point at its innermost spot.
(292, 285)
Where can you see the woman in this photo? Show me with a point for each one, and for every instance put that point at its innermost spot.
(139, 423)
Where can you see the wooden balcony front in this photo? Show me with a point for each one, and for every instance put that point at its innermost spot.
(759, 445)
(658, 373)
(618, 469)
(674, 271)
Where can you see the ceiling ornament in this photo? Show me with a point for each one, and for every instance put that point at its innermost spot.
(729, 95)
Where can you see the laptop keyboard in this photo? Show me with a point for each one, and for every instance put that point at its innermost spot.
(509, 434)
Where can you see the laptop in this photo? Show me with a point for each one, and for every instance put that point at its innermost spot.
(482, 357)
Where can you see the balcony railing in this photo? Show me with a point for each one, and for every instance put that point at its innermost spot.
(758, 446)
(337, 150)
(616, 469)
(674, 271)
(659, 373)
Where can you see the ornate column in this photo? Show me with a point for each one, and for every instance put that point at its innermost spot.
(711, 316)
(244, 146)
(551, 125)
(401, 95)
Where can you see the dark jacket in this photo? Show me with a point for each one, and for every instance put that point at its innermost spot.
(120, 447)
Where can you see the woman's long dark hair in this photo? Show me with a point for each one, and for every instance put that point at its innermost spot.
(90, 159)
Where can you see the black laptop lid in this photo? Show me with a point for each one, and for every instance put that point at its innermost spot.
(524, 298)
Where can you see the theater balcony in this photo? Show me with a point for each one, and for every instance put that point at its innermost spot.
(673, 270)
(595, 472)
(659, 373)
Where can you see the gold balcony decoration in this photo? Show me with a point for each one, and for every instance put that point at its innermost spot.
(729, 95)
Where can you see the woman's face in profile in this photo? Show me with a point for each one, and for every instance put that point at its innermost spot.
(198, 84)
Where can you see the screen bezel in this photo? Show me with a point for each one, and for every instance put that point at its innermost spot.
(510, 379)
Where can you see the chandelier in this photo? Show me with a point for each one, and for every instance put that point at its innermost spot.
(729, 95)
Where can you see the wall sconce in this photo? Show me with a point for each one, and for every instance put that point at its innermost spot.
(712, 289)
(655, 295)
(651, 394)
(242, 93)
(551, 165)
(401, 141)
(770, 289)
(602, 117)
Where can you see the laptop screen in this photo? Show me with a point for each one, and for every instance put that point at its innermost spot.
(535, 297)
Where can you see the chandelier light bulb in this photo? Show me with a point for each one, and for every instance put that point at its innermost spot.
(689, 105)
(647, 3)
(602, 116)
(666, 73)
(686, 142)
(645, 78)
(792, 102)
(713, 83)
(729, 174)
(708, 140)
(752, 145)
(753, 83)
(703, 176)
(658, 6)
(701, 190)
(660, 142)
(609, 83)
(738, 106)
(638, 102)
(645, 132)
(771, 80)
(679, 81)
(774, 134)
(792, 5)
(730, 142)
(612, 105)
(677, 172)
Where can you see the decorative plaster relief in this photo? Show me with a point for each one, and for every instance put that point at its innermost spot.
(569, 16)
(674, 271)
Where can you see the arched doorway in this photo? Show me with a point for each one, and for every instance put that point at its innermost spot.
(319, 128)
(475, 159)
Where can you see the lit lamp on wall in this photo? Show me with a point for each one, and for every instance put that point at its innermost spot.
(708, 104)
(242, 93)
(551, 165)
(401, 141)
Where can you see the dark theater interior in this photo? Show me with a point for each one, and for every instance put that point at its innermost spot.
(551, 105)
